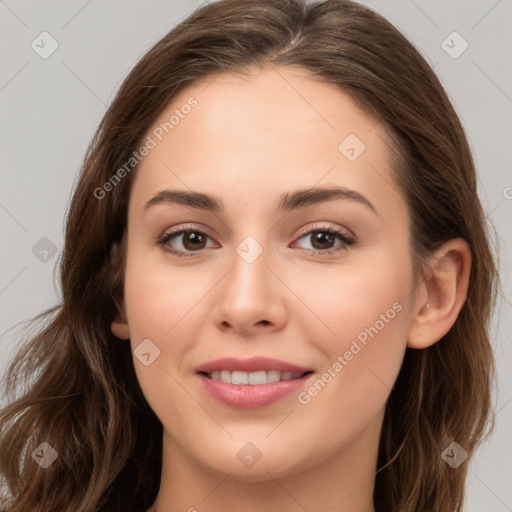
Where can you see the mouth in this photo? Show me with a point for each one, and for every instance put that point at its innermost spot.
(251, 383)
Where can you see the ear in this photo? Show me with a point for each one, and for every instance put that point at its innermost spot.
(442, 294)
(119, 326)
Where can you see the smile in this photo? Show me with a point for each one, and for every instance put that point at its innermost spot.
(251, 383)
(253, 378)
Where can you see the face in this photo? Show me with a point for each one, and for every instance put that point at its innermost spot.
(300, 297)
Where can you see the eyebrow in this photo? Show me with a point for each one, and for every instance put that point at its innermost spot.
(288, 201)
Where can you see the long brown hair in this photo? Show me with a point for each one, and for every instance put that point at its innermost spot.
(73, 384)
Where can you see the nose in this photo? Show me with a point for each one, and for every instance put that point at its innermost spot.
(250, 299)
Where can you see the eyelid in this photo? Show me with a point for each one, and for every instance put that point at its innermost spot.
(187, 227)
(318, 226)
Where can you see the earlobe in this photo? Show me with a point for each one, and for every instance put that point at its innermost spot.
(120, 329)
(119, 325)
(446, 287)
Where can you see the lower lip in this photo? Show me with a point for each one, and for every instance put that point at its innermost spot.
(249, 396)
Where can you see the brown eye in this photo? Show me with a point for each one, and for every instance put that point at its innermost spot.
(184, 242)
(193, 240)
(322, 239)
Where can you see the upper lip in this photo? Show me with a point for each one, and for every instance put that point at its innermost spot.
(253, 364)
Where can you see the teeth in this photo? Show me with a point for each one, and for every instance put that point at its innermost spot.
(225, 376)
(273, 376)
(257, 377)
(252, 378)
(239, 378)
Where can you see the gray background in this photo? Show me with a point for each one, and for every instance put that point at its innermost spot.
(50, 108)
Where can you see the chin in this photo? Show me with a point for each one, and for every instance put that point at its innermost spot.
(262, 467)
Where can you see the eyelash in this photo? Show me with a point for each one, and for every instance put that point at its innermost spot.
(347, 240)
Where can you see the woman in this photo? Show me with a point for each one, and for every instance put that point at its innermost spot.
(276, 282)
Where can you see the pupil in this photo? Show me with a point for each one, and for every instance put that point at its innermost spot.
(194, 239)
(323, 238)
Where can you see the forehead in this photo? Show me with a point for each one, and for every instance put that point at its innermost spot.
(273, 131)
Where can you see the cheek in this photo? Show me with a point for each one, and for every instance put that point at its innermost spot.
(158, 307)
(351, 391)
(366, 312)
(351, 299)
(158, 301)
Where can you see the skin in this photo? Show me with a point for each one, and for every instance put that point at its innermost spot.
(247, 142)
